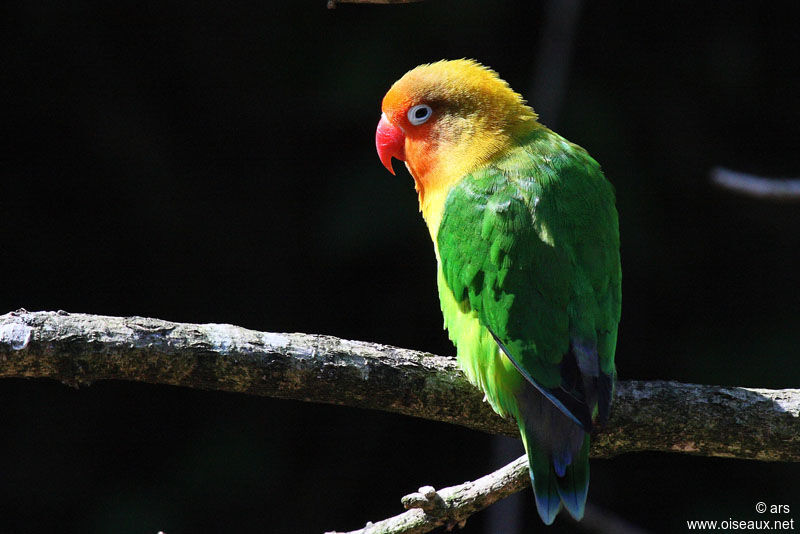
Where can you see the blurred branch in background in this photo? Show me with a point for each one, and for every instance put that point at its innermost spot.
(553, 58)
(333, 3)
(78, 349)
(756, 186)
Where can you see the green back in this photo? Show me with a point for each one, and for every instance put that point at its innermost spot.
(530, 246)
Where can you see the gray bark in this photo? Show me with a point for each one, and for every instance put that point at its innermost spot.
(78, 349)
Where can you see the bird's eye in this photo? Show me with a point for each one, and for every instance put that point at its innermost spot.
(419, 114)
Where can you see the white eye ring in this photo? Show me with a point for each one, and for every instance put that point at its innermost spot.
(419, 114)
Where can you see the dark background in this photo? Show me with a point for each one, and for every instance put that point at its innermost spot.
(215, 162)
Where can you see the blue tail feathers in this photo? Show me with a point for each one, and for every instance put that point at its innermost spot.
(574, 485)
(545, 487)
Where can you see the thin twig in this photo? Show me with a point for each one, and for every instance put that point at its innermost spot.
(756, 186)
(78, 349)
(429, 509)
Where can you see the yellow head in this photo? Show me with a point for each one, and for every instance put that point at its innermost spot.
(446, 119)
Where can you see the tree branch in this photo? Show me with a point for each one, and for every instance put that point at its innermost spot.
(333, 3)
(756, 186)
(78, 349)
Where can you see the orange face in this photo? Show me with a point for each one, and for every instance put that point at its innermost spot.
(404, 123)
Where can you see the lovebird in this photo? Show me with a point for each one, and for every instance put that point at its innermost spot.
(526, 237)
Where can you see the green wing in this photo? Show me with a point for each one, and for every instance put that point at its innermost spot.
(530, 244)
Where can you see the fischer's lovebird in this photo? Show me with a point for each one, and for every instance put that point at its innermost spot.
(525, 231)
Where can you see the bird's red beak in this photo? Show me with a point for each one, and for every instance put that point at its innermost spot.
(390, 142)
